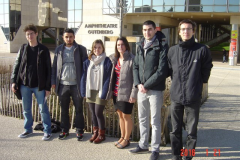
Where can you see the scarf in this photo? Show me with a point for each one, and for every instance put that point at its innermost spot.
(148, 43)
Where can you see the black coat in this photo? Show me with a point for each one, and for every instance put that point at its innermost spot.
(43, 67)
(190, 65)
(152, 70)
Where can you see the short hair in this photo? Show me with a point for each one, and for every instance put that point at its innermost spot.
(31, 27)
(194, 25)
(149, 22)
(97, 41)
(125, 42)
(68, 30)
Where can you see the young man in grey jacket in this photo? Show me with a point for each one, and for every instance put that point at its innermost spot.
(150, 69)
(66, 76)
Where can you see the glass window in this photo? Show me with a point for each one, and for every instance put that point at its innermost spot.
(1, 1)
(5, 1)
(194, 2)
(18, 7)
(6, 18)
(234, 2)
(128, 10)
(1, 19)
(12, 1)
(146, 9)
(12, 7)
(146, 2)
(1, 9)
(180, 2)
(168, 9)
(18, 1)
(76, 25)
(105, 11)
(220, 2)
(233, 9)
(179, 9)
(157, 2)
(105, 3)
(78, 15)
(193, 8)
(168, 2)
(6, 8)
(137, 9)
(137, 2)
(70, 4)
(207, 2)
(157, 9)
(70, 16)
(70, 25)
(207, 9)
(78, 4)
(220, 9)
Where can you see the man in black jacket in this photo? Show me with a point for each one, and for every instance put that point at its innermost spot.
(66, 76)
(190, 64)
(150, 70)
(32, 74)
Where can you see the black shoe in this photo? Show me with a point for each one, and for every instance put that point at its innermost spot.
(79, 136)
(154, 156)
(138, 150)
(176, 158)
(63, 135)
(24, 134)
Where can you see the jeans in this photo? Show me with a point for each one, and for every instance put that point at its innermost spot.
(27, 108)
(192, 117)
(151, 101)
(65, 92)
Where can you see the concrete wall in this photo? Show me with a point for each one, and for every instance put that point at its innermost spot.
(42, 13)
(4, 44)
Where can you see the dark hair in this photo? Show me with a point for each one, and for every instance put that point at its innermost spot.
(31, 27)
(187, 21)
(68, 30)
(125, 42)
(99, 41)
(149, 22)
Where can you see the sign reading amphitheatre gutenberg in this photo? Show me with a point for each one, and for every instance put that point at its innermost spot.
(100, 26)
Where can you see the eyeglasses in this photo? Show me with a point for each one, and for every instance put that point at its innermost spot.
(185, 29)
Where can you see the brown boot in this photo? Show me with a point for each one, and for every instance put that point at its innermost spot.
(95, 134)
(101, 136)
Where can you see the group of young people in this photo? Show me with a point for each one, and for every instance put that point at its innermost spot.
(124, 77)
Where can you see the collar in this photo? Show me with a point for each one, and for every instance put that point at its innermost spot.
(187, 43)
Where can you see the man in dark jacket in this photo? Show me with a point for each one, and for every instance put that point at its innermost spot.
(66, 75)
(32, 74)
(150, 70)
(190, 64)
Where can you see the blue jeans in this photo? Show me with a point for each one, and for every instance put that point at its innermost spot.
(150, 103)
(27, 108)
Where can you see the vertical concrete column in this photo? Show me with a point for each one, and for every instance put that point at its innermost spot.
(57, 37)
(234, 45)
(171, 37)
(199, 32)
(40, 36)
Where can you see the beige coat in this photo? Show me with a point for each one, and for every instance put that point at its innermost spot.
(126, 87)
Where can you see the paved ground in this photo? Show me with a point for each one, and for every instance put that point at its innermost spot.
(219, 130)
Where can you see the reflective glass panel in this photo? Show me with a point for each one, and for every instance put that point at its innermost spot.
(220, 2)
(70, 25)
(1, 1)
(168, 8)
(113, 11)
(1, 8)
(105, 11)
(157, 9)
(70, 4)
(157, 2)
(1, 19)
(180, 2)
(78, 15)
(78, 4)
(194, 8)
(147, 2)
(234, 2)
(207, 2)
(76, 25)
(179, 9)
(70, 16)
(233, 9)
(6, 8)
(146, 9)
(137, 2)
(220, 9)
(137, 9)
(194, 2)
(168, 2)
(207, 9)
(105, 3)
(6, 18)
(5, 1)
(128, 10)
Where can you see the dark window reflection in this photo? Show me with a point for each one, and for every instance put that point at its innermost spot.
(233, 9)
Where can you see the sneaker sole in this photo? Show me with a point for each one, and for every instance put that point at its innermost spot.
(24, 136)
(62, 138)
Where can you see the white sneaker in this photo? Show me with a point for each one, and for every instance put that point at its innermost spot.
(24, 134)
(46, 136)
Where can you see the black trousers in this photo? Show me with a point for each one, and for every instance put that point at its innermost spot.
(192, 117)
(65, 92)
